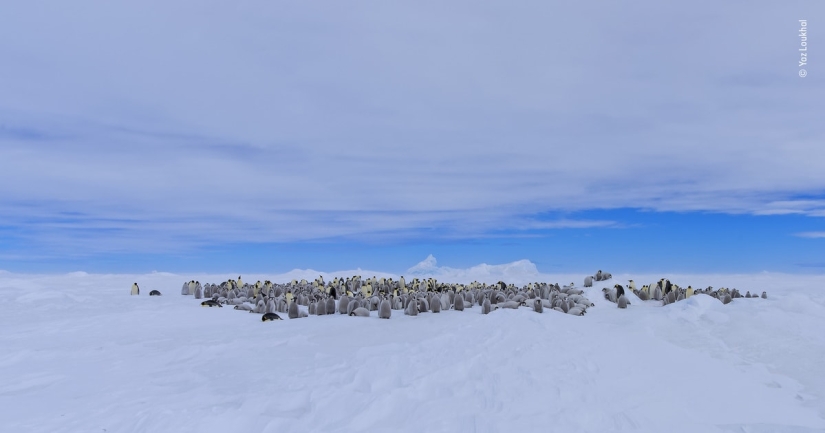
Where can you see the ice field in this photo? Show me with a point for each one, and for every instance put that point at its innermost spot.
(79, 354)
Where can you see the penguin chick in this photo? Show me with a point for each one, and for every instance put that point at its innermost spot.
(486, 307)
(412, 308)
(360, 312)
(293, 312)
(459, 303)
(385, 310)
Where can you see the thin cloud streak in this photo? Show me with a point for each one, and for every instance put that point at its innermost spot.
(811, 235)
(296, 122)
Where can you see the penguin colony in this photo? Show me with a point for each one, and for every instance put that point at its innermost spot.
(668, 293)
(358, 297)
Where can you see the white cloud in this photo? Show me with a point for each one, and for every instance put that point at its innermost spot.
(294, 122)
(812, 235)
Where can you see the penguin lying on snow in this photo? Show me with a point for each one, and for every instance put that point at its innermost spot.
(360, 312)
(211, 303)
(268, 317)
(154, 293)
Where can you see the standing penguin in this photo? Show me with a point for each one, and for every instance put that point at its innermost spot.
(198, 291)
(657, 292)
(622, 301)
(619, 290)
(588, 281)
(330, 305)
(135, 289)
(342, 304)
(537, 306)
(292, 311)
(385, 309)
(435, 305)
(486, 307)
(458, 303)
(412, 308)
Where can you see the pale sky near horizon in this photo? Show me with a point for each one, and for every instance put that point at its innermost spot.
(195, 135)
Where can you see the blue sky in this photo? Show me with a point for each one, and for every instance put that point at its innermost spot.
(266, 136)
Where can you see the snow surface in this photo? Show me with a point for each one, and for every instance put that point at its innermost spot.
(81, 355)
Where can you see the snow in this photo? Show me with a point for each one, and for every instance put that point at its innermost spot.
(81, 355)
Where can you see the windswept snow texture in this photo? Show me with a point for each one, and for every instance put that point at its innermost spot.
(81, 355)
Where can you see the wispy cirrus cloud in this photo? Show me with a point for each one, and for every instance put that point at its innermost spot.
(297, 122)
(811, 235)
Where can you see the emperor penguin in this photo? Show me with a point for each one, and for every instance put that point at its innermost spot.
(486, 307)
(360, 312)
(321, 308)
(609, 294)
(330, 305)
(726, 298)
(458, 303)
(643, 294)
(538, 307)
(198, 292)
(342, 304)
(764, 295)
(412, 308)
(154, 293)
(619, 290)
(423, 307)
(689, 292)
(293, 312)
(657, 293)
(191, 288)
(269, 317)
(622, 301)
(435, 305)
(352, 305)
(135, 289)
(385, 309)
(588, 281)
(211, 303)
